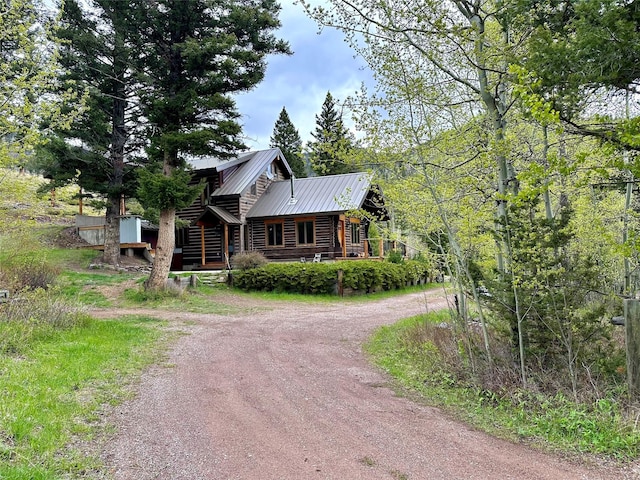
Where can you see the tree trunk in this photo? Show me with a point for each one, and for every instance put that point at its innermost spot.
(116, 155)
(111, 254)
(164, 251)
(166, 237)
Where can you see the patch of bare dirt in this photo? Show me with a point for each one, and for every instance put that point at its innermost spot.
(69, 238)
(285, 392)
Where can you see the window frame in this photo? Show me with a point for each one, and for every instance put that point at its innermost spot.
(269, 223)
(305, 221)
(354, 226)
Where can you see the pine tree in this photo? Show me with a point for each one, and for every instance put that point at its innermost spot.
(196, 54)
(332, 141)
(287, 139)
(97, 55)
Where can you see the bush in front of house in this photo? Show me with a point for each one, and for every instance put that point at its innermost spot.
(248, 260)
(322, 278)
(289, 277)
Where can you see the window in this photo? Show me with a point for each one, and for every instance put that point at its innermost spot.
(305, 230)
(205, 196)
(274, 234)
(182, 237)
(355, 233)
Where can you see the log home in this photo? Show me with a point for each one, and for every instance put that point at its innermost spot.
(309, 218)
(253, 203)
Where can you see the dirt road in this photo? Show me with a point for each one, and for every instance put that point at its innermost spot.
(283, 392)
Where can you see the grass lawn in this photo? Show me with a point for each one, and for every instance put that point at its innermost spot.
(52, 391)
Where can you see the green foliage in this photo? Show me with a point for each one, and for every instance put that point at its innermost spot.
(322, 278)
(374, 236)
(394, 256)
(28, 79)
(248, 260)
(426, 354)
(576, 49)
(289, 277)
(332, 141)
(286, 137)
(194, 58)
(159, 191)
(561, 317)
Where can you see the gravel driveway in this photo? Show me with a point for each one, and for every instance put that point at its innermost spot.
(283, 391)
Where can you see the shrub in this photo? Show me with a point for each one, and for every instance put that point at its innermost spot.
(33, 315)
(394, 256)
(28, 271)
(248, 260)
(361, 275)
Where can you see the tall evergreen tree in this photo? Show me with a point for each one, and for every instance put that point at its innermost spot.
(287, 139)
(196, 53)
(97, 57)
(332, 141)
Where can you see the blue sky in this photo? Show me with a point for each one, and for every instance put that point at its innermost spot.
(320, 62)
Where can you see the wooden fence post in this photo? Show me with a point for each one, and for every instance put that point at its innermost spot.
(632, 327)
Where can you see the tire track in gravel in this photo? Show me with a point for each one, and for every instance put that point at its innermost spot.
(285, 393)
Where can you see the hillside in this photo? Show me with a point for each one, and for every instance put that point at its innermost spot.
(50, 215)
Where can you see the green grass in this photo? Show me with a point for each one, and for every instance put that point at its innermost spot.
(554, 423)
(51, 394)
(200, 300)
(309, 298)
(80, 286)
(80, 257)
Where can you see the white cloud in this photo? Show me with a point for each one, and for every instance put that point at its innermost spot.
(321, 62)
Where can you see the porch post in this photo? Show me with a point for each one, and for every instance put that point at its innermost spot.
(343, 235)
(241, 246)
(226, 242)
(366, 248)
(203, 248)
(381, 247)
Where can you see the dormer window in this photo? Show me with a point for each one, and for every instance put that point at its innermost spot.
(205, 196)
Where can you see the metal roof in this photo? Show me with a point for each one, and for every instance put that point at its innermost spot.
(206, 163)
(250, 166)
(220, 213)
(330, 194)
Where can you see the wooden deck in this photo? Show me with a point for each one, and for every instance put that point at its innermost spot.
(135, 245)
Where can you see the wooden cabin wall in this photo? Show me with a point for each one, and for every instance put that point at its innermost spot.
(324, 239)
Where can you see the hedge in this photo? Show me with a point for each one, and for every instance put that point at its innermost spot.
(322, 278)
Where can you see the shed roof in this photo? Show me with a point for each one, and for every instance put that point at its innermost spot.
(330, 194)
